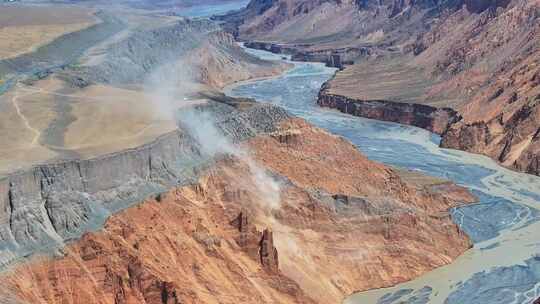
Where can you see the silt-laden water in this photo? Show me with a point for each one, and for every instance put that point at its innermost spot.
(502, 267)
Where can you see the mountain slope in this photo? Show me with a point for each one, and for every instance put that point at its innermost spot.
(479, 58)
(205, 242)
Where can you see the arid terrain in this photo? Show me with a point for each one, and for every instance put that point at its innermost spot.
(370, 229)
(71, 113)
(24, 29)
(478, 58)
(129, 177)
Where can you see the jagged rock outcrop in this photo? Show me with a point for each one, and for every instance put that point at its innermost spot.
(153, 254)
(199, 243)
(268, 253)
(259, 246)
(45, 205)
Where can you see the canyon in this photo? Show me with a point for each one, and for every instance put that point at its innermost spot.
(214, 237)
(467, 70)
(505, 219)
(131, 178)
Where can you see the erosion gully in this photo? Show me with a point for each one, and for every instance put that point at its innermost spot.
(504, 264)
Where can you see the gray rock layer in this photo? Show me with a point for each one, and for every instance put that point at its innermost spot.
(44, 206)
(133, 59)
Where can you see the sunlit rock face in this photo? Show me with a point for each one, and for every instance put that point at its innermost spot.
(436, 120)
(442, 55)
(505, 219)
(220, 235)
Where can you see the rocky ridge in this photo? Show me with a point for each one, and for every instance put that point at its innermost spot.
(49, 204)
(199, 48)
(436, 120)
(221, 242)
(478, 58)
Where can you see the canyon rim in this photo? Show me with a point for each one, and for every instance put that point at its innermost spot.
(269, 151)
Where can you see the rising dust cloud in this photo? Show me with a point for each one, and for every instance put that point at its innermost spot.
(171, 89)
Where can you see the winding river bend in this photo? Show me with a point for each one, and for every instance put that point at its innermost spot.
(504, 264)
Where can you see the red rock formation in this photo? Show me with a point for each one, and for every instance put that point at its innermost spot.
(259, 246)
(365, 226)
(481, 58)
(501, 116)
(268, 253)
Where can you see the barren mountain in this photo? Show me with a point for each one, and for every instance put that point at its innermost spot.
(467, 70)
(129, 178)
(219, 240)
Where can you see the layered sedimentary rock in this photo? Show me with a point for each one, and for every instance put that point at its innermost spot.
(342, 223)
(198, 51)
(479, 58)
(48, 204)
(501, 116)
(171, 251)
(336, 58)
(436, 120)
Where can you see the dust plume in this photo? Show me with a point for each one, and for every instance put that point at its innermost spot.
(172, 90)
(169, 86)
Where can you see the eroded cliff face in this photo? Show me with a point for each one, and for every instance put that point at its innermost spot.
(343, 223)
(501, 117)
(180, 249)
(478, 58)
(436, 120)
(48, 204)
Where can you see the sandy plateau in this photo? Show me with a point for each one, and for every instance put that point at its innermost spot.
(23, 29)
(48, 120)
